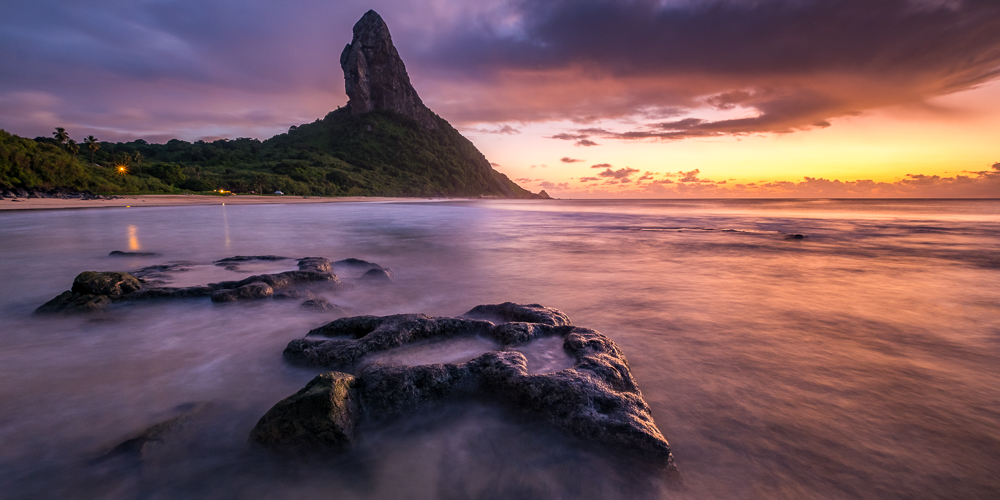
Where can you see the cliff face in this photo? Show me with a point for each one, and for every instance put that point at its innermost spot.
(366, 133)
(375, 77)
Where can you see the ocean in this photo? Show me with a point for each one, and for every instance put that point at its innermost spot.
(861, 360)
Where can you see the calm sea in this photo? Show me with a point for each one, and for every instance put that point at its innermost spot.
(861, 361)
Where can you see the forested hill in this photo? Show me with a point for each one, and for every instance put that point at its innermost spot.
(385, 142)
(380, 153)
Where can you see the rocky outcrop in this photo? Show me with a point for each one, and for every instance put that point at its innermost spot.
(95, 291)
(597, 399)
(374, 75)
(120, 253)
(320, 417)
(256, 290)
(111, 283)
(92, 291)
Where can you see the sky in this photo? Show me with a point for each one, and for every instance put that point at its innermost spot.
(583, 98)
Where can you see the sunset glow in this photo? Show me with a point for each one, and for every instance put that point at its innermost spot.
(732, 95)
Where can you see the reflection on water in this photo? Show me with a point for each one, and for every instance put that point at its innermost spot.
(862, 361)
(133, 238)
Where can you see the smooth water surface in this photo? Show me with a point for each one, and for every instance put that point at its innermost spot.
(862, 361)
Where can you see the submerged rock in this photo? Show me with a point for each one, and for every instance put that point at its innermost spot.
(384, 275)
(246, 258)
(255, 290)
(72, 302)
(120, 253)
(597, 399)
(320, 304)
(138, 445)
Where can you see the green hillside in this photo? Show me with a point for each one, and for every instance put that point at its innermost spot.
(375, 154)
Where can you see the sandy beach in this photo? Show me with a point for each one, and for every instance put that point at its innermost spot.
(172, 200)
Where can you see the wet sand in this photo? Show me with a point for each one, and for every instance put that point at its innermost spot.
(174, 200)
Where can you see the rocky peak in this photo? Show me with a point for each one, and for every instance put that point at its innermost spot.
(374, 75)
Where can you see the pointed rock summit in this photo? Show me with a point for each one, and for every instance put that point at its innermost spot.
(375, 77)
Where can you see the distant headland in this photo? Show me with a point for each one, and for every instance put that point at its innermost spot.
(385, 142)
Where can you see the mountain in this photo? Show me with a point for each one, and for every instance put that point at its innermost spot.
(384, 142)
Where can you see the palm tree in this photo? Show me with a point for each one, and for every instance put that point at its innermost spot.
(73, 147)
(138, 161)
(92, 145)
(60, 135)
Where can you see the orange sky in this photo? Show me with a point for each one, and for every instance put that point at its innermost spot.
(949, 135)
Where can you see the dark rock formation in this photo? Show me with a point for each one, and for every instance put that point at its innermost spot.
(295, 294)
(320, 304)
(247, 258)
(543, 195)
(384, 275)
(70, 302)
(257, 290)
(58, 193)
(119, 253)
(92, 291)
(597, 399)
(356, 265)
(375, 77)
(316, 265)
(320, 417)
(137, 446)
(108, 283)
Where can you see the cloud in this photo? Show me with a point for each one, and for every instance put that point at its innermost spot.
(601, 165)
(566, 159)
(778, 65)
(620, 174)
(562, 186)
(505, 129)
(677, 69)
(980, 184)
(589, 179)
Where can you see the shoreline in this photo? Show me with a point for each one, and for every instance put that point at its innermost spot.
(179, 200)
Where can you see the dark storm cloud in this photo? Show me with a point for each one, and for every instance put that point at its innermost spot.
(187, 68)
(253, 67)
(791, 64)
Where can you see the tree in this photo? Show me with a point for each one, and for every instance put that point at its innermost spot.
(60, 135)
(73, 147)
(138, 161)
(92, 145)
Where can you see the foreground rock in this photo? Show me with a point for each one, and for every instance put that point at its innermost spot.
(597, 399)
(321, 416)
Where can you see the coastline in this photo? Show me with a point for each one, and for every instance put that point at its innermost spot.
(177, 200)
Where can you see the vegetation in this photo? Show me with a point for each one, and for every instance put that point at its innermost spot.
(374, 154)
